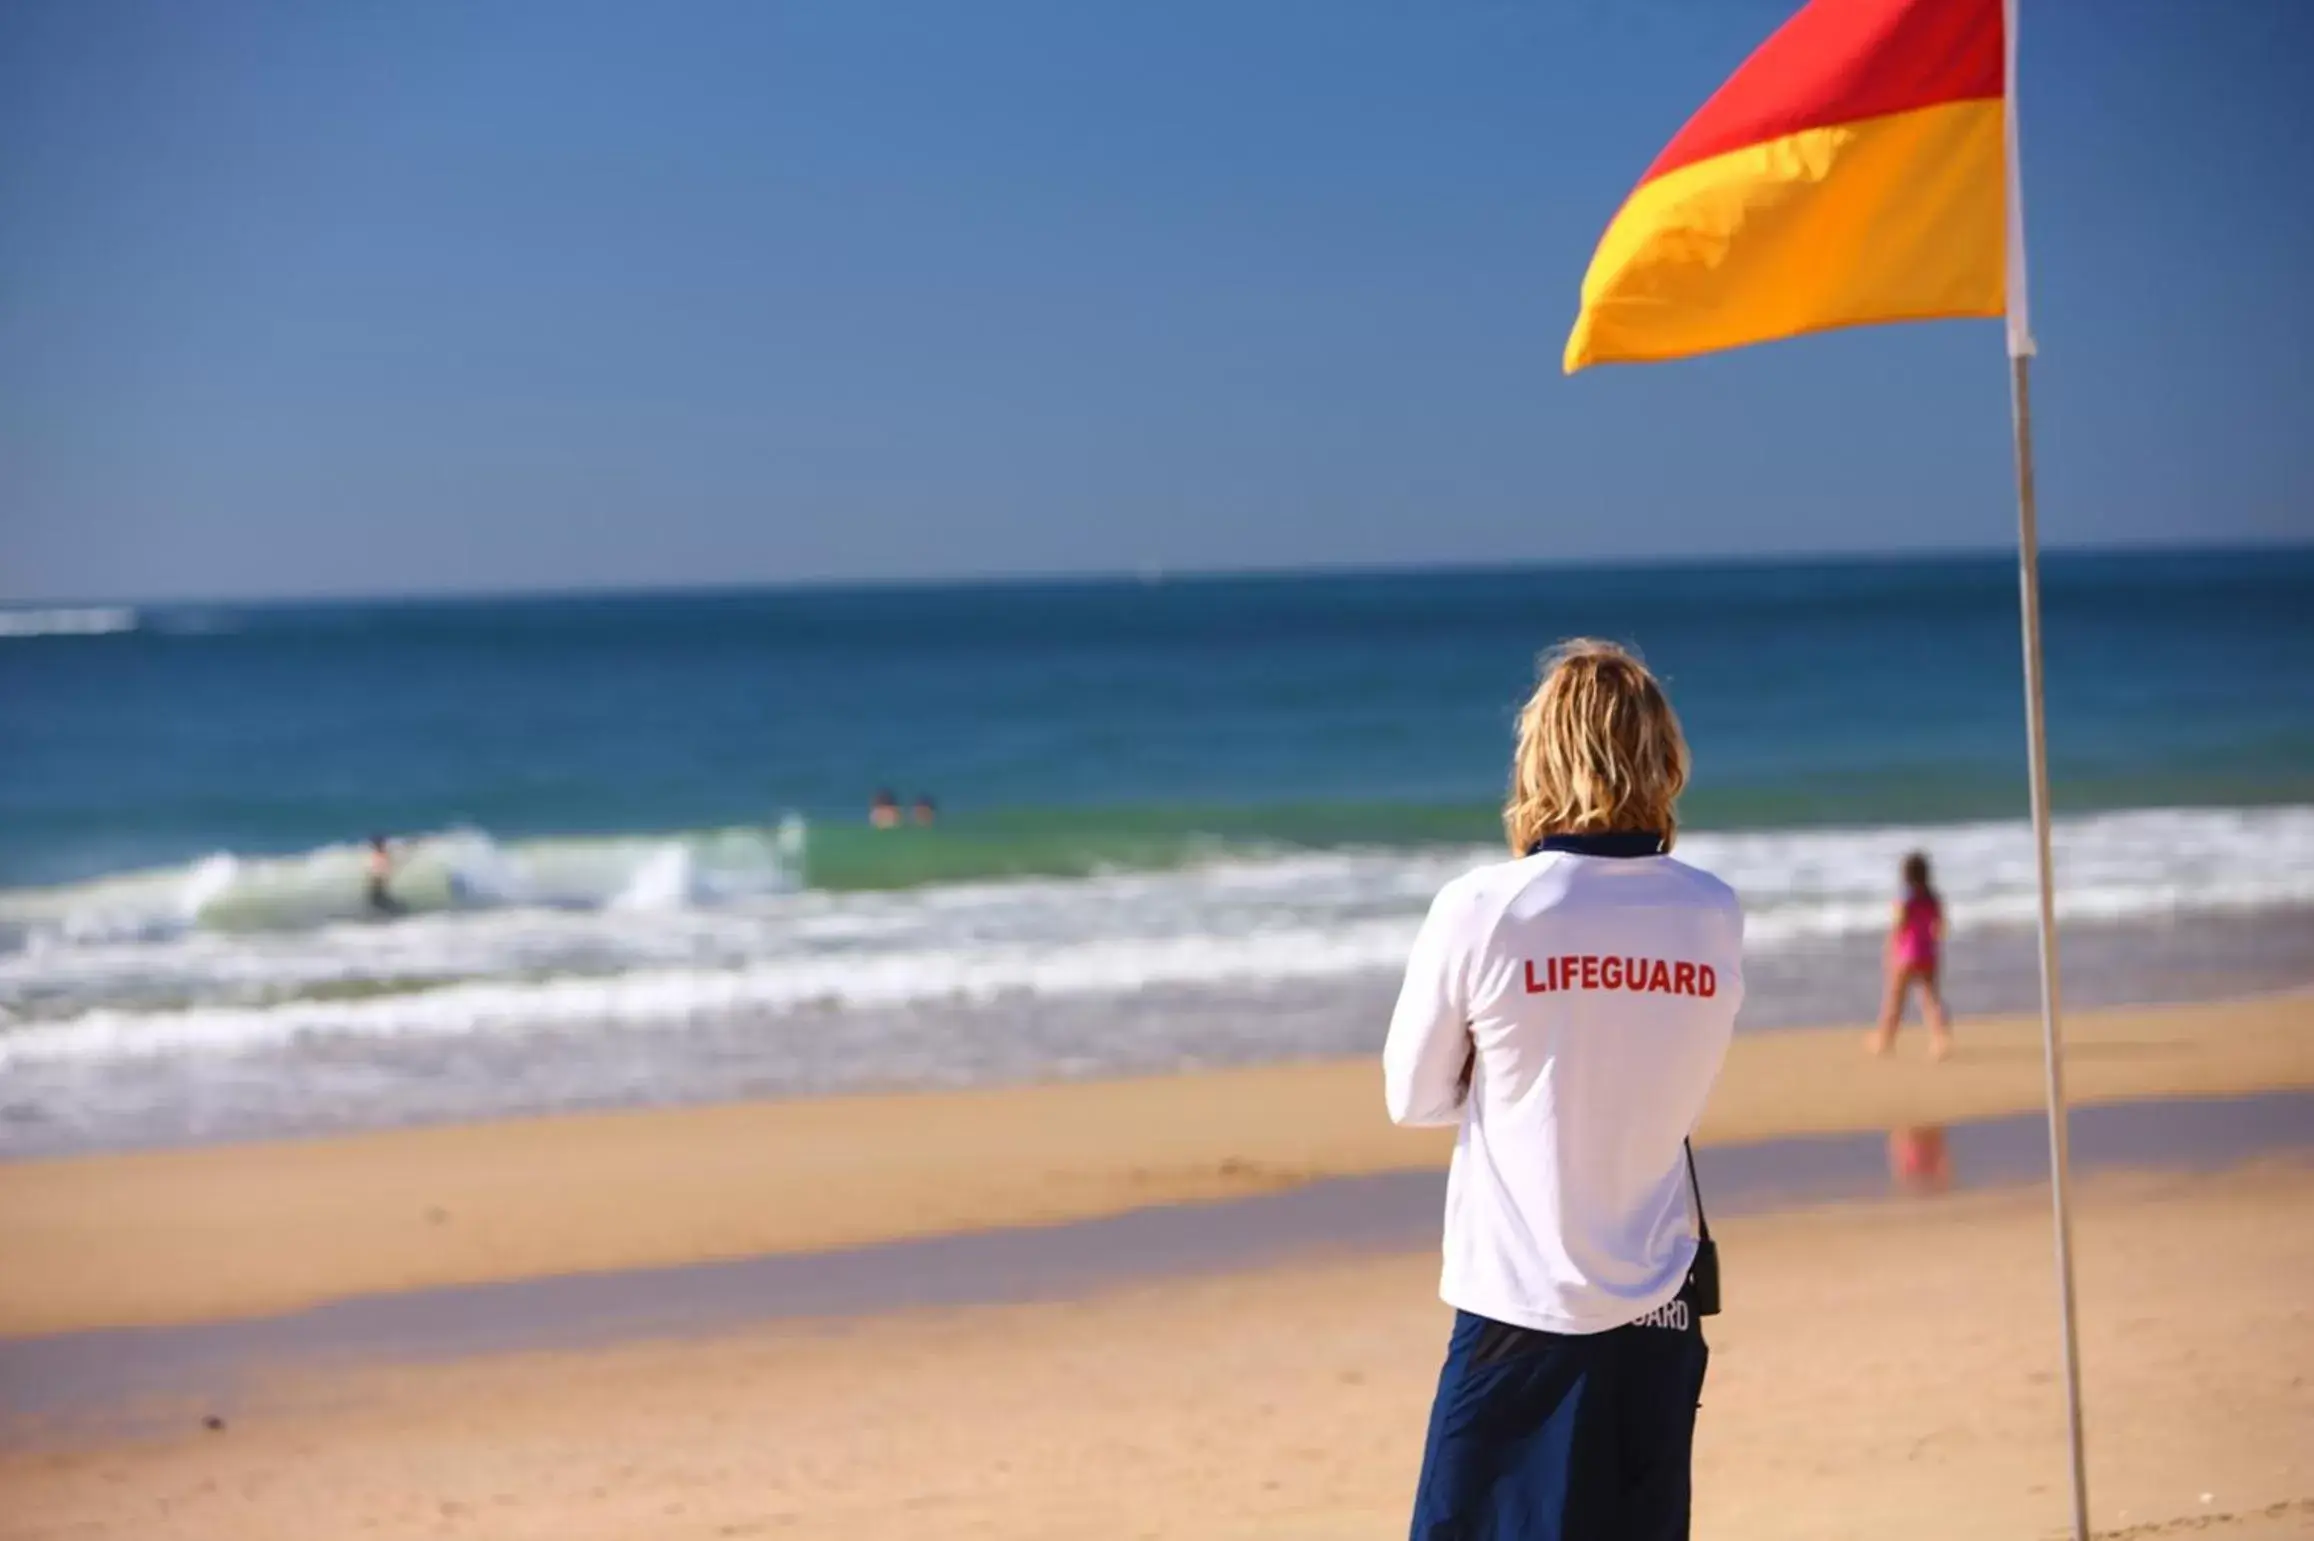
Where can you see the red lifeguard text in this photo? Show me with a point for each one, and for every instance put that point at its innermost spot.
(1590, 971)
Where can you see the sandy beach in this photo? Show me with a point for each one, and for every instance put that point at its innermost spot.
(1886, 1368)
(245, 1230)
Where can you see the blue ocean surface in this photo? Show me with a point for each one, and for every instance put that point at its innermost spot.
(1179, 820)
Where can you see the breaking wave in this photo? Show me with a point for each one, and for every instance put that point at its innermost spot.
(667, 933)
(79, 621)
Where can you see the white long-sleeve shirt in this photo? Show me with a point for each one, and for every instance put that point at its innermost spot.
(1592, 997)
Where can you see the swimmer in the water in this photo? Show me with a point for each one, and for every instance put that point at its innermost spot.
(884, 809)
(924, 812)
(380, 866)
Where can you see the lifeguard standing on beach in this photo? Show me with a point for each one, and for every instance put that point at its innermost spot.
(1569, 1010)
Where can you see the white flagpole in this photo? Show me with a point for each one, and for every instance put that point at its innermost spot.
(2037, 755)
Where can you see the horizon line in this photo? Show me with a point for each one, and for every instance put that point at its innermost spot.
(1147, 574)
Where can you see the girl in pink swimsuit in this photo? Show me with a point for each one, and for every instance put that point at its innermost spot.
(1915, 954)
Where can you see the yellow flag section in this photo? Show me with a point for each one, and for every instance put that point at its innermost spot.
(1852, 171)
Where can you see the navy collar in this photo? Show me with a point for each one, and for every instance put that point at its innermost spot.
(1612, 842)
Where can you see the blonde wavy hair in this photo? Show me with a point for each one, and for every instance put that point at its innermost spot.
(1599, 749)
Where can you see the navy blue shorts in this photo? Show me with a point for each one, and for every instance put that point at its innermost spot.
(1545, 1436)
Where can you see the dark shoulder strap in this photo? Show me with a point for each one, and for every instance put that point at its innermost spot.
(1702, 1225)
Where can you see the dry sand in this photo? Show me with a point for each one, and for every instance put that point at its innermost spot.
(1885, 1370)
(256, 1229)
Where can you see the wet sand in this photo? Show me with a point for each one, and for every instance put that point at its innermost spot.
(1886, 1369)
(256, 1230)
(1121, 1310)
(114, 1380)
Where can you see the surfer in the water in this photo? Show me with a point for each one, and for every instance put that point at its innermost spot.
(380, 867)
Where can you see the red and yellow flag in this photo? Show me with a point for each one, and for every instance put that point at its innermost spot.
(1853, 170)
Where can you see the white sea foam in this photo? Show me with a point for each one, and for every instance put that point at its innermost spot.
(78, 621)
(666, 936)
(455, 871)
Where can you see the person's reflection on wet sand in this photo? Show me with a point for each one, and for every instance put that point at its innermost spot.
(1919, 1159)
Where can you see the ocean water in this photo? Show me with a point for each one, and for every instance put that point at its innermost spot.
(1181, 821)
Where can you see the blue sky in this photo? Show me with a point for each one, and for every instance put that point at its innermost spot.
(303, 298)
